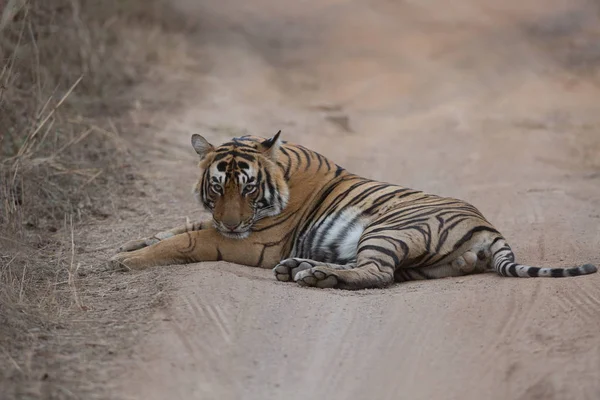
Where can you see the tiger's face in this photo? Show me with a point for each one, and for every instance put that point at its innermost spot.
(240, 183)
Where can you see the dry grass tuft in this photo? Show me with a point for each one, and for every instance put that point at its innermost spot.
(67, 70)
(65, 63)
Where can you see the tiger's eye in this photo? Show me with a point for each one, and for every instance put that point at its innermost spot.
(248, 189)
(216, 188)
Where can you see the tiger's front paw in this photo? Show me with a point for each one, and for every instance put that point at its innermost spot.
(321, 277)
(137, 244)
(287, 269)
(127, 261)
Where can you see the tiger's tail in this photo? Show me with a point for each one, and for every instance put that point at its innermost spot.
(503, 262)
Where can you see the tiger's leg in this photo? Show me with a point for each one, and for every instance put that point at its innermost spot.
(385, 256)
(149, 241)
(312, 273)
(203, 245)
(377, 258)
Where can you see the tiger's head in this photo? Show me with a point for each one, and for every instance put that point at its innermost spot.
(240, 182)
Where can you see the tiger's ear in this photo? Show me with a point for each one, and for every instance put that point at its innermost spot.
(270, 147)
(201, 145)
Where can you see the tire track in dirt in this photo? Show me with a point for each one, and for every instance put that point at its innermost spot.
(212, 366)
(516, 320)
(210, 315)
(580, 302)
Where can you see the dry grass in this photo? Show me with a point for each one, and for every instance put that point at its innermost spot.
(67, 69)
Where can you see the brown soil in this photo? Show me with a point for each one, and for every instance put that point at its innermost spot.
(494, 104)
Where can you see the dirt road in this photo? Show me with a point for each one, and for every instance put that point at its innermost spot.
(495, 104)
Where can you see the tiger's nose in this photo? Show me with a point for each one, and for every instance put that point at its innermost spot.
(230, 225)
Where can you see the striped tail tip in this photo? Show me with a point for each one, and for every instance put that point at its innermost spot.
(503, 262)
(587, 269)
(525, 271)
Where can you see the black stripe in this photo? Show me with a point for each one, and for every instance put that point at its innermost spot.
(495, 240)
(227, 147)
(379, 262)
(368, 192)
(445, 234)
(420, 272)
(409, 213)
(470, 234)
(393, 241)
(382, 250)
(458, 215)
(235, 154)
(320, 158)
(268, 182)
(341, 196)
(307, 155)
(557, 272)
(297, 155)
(424, 230)
(277, 221)
(262, 255)
(288, 168)
(402, 275)
(384, 199)
(503, 248)
(239, 143)
(441, 222)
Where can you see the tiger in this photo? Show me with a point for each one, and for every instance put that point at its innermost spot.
(282, 206)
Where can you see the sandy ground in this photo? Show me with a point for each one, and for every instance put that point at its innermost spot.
(495, 104)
